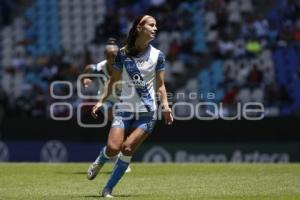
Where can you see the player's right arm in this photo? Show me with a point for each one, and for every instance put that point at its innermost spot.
(86, 82)
(115, 77)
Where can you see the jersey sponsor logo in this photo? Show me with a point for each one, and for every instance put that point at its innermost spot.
(4, 152)
(137, 82)
(54, 151)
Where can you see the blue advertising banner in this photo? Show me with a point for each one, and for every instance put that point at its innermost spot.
(48, 151)
(64, 151)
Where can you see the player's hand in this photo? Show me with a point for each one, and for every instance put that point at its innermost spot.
(168, 116)
(86, 82)
(95, 109)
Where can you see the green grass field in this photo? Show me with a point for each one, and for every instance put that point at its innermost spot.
(153, 181)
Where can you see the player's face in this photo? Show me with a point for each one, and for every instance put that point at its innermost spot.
(148, 30)
(110, 54)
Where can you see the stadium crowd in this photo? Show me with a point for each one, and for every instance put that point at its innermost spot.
(240, 50)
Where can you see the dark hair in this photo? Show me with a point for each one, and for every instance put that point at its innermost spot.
(111, 41)
(132, 35)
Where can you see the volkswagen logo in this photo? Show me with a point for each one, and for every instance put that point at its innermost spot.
(54, 151)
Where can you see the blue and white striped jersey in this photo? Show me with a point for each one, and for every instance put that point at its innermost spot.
(138, 79)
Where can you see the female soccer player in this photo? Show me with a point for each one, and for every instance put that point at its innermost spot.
(104, 68)
(140, 67)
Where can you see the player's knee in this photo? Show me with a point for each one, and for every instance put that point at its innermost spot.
(127, 149)
(113, 149)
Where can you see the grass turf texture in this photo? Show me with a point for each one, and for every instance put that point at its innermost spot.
(153, 181)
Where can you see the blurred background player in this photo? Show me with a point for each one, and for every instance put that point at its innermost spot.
(104, 68)
(142, 68)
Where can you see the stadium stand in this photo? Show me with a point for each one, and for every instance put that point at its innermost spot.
(240, 50)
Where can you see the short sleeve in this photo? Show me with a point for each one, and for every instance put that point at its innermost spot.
(160, 66)
(93, 67)
(118, 62)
